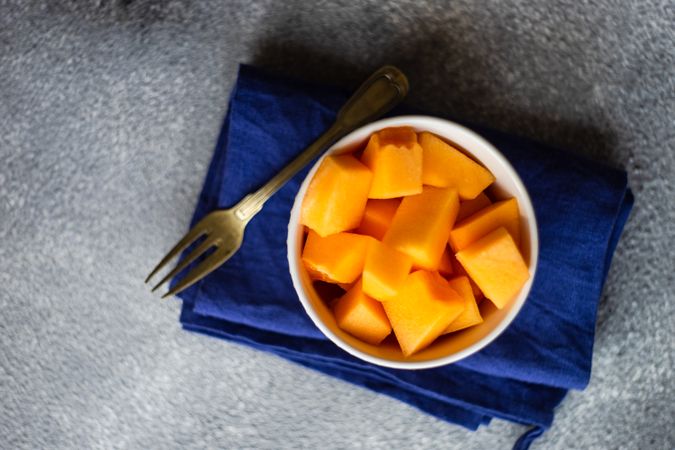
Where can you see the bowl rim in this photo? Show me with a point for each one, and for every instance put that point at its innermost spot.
(415, 121)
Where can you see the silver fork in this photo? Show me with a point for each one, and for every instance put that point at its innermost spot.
(224, 229)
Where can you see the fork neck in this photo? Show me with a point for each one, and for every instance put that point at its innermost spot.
(248, 207)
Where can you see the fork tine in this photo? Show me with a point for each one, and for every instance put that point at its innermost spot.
(204, 268)
(194, 233)
(194, 254)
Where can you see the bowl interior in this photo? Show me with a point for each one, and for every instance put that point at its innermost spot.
(451, 347)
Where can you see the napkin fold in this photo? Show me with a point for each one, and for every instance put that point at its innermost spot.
(581, 208)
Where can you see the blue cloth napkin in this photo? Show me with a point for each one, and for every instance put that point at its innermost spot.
(522, 376)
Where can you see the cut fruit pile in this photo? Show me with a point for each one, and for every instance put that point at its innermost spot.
(408, 231)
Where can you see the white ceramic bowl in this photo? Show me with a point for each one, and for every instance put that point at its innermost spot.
(455, 346)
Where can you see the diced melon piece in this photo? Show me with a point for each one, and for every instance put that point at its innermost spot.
(496, 265)
(459, 271)
(395, 158)
(422, 310)
(470, 207)
(422, 224)
(337, 258)
(399, 136)
(445, 265)
(361, 316)
(500, 214)
(336, 196)
(385, 270)
(377, 217)
(471, 314)
(445, 166)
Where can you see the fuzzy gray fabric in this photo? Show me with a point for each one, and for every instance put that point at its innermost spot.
(108, 115)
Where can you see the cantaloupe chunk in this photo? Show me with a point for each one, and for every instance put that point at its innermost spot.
(496, 265)
(422, 224)
(458, 270)
(445, 265)
(400, 136)
(445, 166)
(336, 196)
(378, 216)
(361, 316)
(384, 271)
(395, 158)
(471, 314)
(500, 214)
(470, 207)
(337, 258)
(422, 310)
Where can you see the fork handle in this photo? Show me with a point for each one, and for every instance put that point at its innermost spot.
(383, 90)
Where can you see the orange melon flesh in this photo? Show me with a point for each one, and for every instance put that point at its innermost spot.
(395, 158)
(384, 271)
(445, 265)
(336, 196)
(422, 224)
(471, 314)
(361, 316)
(459, 271)
(399, 136)
(377, 217)
(496, 265)
(337, 258)
(470, 207)
(445, 166)
(422, 310)
(500, 214)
